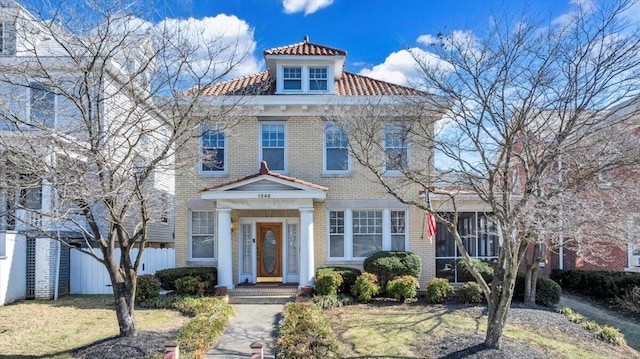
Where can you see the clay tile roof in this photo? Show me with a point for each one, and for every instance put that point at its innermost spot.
(305, 48)
(264, 170)
(349, 85)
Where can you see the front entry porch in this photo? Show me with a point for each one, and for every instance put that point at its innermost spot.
(274, 217)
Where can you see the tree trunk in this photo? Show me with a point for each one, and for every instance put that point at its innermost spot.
(498, 305)
(124, 303)
(530, 284)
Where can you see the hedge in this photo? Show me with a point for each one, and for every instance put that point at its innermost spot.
(547, 290)
(207, 275)
(305, 333)
(387, 265)
(596, 284)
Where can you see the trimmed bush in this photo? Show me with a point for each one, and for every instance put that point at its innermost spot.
(365, 287)
(485, 268)
(189, 286)
(305, 333)
(437, 290)
(596, 284)
(207, 275)
(470, 292)
(547, 290)
(328, 283)
(147, 286)
(349, 276)
(210, 317)
(387, 265)
(403, 288)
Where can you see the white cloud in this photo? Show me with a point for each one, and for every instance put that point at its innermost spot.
(427, 40)
(581, 7)
(308, 6)
(217, 40)
(401, 67)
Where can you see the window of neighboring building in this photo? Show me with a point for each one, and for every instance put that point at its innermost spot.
(30, 193)
(202, 233)
(356, 234)
(7, 39)
(164, 208)
(479, 235)
(318, 79)
(396, 147)
(272, 145)
(213, 152)
(42, 104)
(292, 77)
(336, 157)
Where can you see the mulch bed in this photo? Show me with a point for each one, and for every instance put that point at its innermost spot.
(146, 343)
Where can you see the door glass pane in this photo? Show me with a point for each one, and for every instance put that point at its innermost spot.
(292, 250)
(269, 251)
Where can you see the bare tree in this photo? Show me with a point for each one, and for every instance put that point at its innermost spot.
(520, 96)
(94, 114)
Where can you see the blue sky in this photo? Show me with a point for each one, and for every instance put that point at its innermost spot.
(373, 32)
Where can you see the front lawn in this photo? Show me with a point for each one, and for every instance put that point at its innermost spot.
(55, 328)
(424, 331)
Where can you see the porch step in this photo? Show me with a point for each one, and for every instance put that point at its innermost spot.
(262, 294)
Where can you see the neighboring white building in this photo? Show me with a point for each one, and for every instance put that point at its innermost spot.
(32, 110)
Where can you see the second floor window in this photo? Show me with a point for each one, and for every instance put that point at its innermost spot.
(7, 39)
(272, 145)
(213, 152)
(336, 156)
(42, 105)
(318, 79)
(396, 147)
(292, 78)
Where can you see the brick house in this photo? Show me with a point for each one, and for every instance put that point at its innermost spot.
(275, 196)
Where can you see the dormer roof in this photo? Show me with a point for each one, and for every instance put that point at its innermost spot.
(305, 48)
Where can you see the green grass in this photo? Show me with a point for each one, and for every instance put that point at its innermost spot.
(53, 329)
(374, 330)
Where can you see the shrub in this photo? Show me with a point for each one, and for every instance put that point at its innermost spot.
(547, 290)
(189, 286)
(207, 275)
(365, 287)
(470, 292)
(147, 286)
(403, 288)
(349, 276)
(211, 316)
(163, 302)
(305, 333)
(591, 326)
(388, 265)
(332, 301)
(437, 290)
(328, 283)
(611, 335)
(597, 284)
(566, 311)
(485, 268)
(631, 300)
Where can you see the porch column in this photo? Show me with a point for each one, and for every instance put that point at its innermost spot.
(225, 252)
(307, 267)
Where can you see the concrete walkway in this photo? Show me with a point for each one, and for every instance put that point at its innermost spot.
(629, 327)
(252, 322)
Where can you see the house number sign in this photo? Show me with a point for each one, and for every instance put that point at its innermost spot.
(264, 195)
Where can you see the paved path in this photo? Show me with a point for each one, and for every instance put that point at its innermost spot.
(630, 328)
(252, 322)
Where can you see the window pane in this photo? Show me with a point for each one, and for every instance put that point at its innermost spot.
(396, 146)
(213, 145)
(397, 243)
(336, 246)
(274, 158)
(364, 245)
(246, 249)
(337, 159)
(446, 268)
(292, 249)
(42, 104)
(292, 78)
(445, 245)
(202, 247)
(293, 84)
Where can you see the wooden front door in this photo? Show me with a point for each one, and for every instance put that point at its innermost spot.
(269, 252)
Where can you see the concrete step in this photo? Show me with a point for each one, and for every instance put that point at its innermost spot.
(265, 299)
(262, 294)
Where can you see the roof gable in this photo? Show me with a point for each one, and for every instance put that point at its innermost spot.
(305, 48)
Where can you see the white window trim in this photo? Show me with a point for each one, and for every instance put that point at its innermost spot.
(286, 159)
(302, 78)
(394, 172)
(308, 70)
(215, 238)
(305, 78)
(324, 157)
(222, 173)
(348, 232)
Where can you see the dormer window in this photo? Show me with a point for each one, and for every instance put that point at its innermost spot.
(317, 79)
(292, 77)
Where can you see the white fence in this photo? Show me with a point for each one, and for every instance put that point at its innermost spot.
(88, 276)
